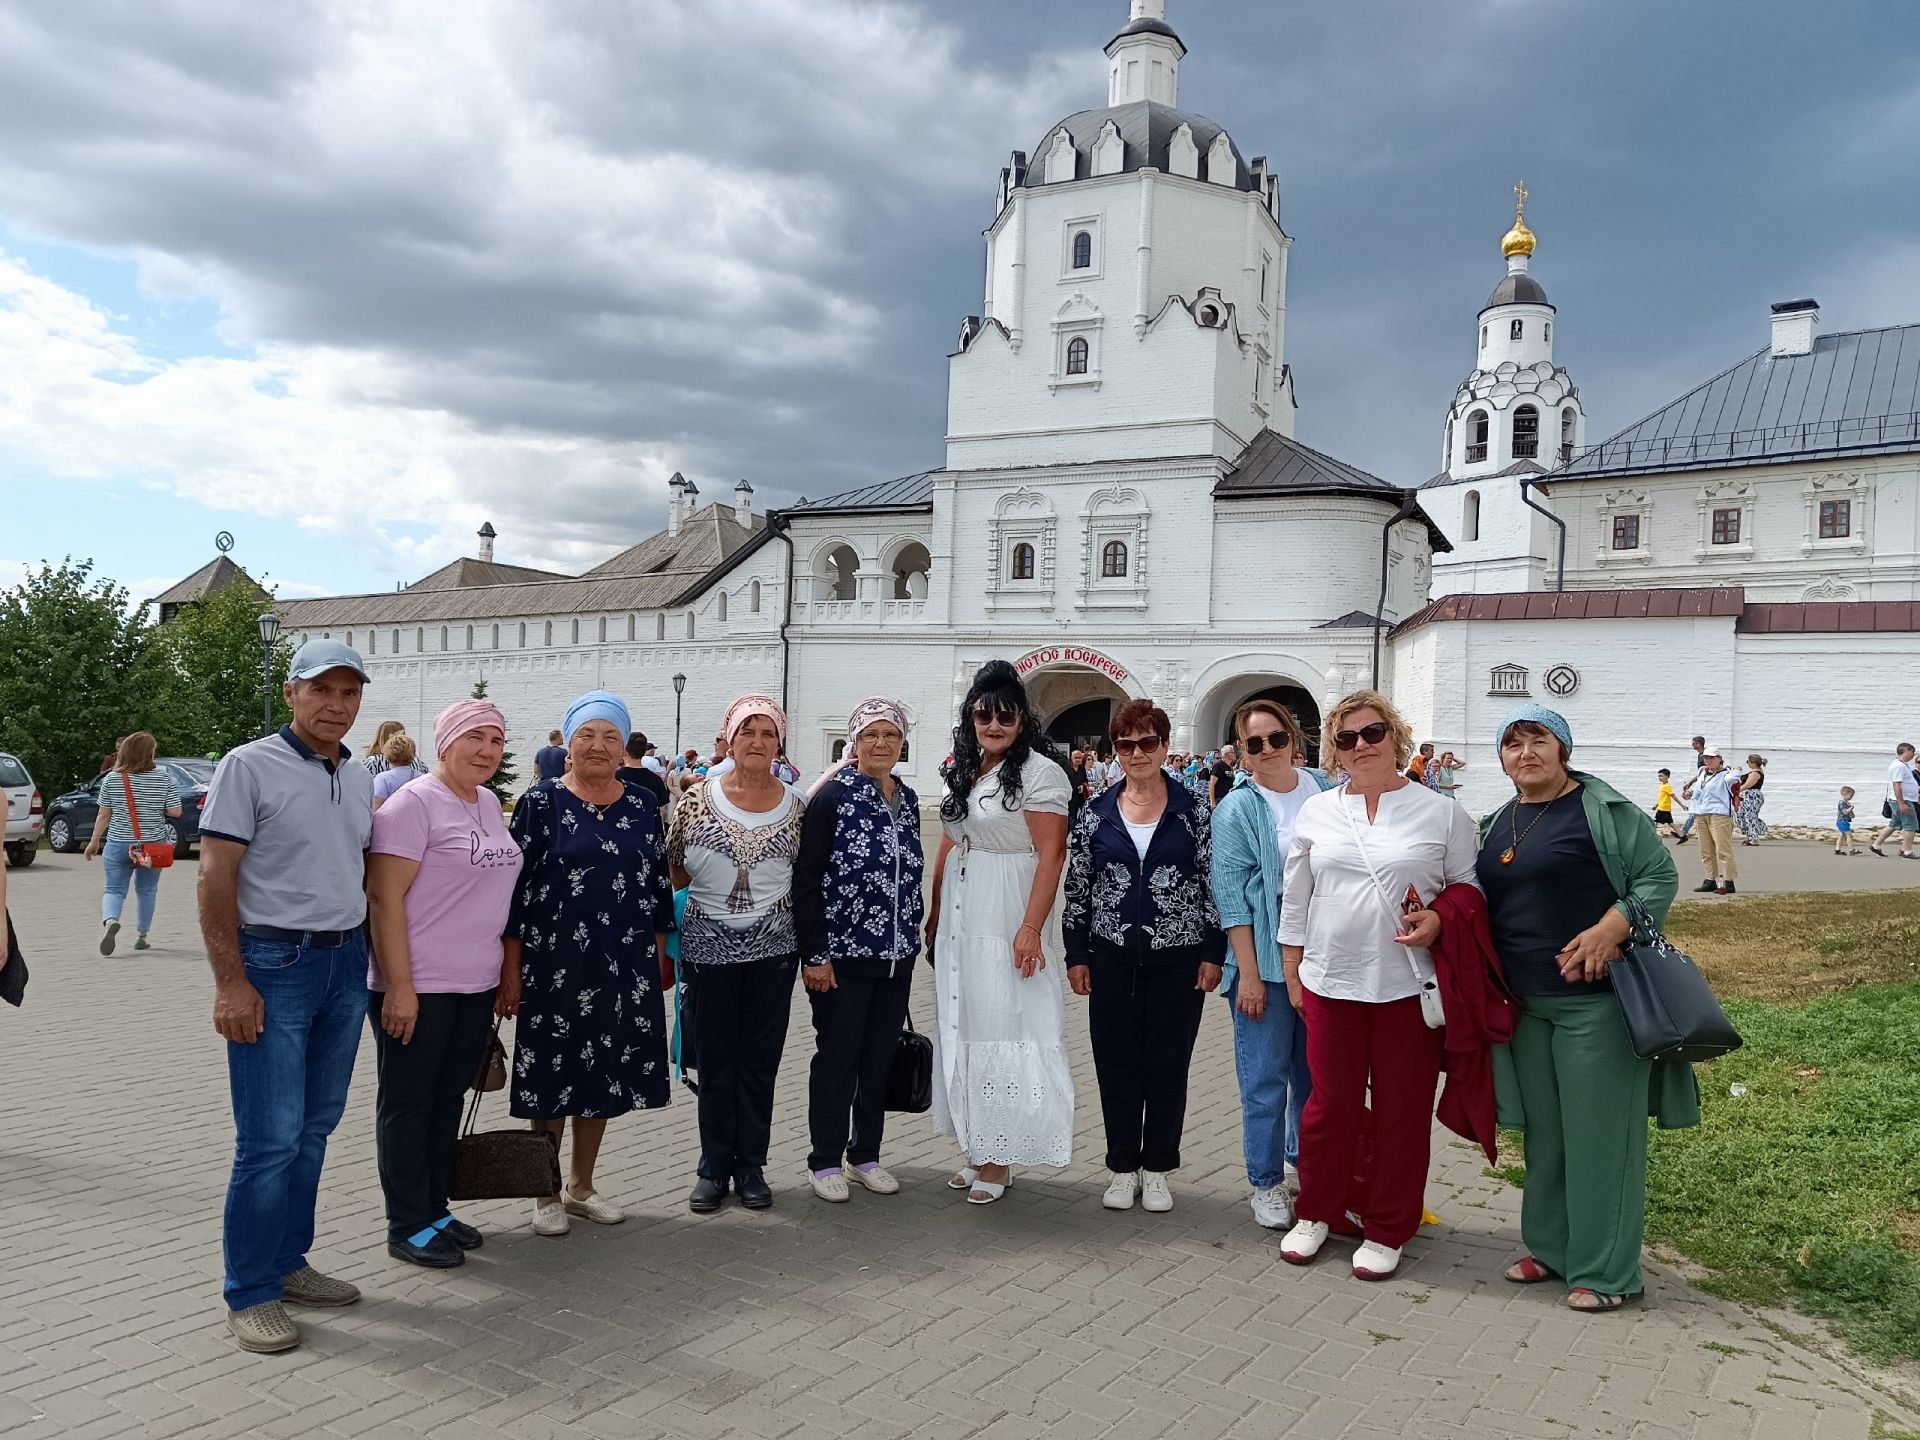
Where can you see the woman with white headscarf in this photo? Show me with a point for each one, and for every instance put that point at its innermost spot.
(857, 912)
(732, 847)
(585, 949)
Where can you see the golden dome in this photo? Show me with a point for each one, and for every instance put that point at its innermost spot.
(1519, 240)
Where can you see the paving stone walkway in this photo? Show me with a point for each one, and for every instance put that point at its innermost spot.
(915, 1315)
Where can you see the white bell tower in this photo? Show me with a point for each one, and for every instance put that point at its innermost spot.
(1143, 60)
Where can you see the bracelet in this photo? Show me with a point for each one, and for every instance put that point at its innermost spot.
(1029, 926)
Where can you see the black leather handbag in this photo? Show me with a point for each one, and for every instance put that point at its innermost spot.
(1665, 1000)
(503, 1164)
(910, 1076)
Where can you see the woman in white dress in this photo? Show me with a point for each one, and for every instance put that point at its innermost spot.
(1000, 1081)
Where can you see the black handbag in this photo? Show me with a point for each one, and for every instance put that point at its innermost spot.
(503, 1164)
(13, 968)
(1666, 1002)
(910, 1076)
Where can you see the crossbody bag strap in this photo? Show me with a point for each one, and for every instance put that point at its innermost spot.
(1393, 914)
(133, 810)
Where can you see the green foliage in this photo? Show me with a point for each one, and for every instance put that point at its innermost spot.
(70, 682)
(205, 673)
(506, 780)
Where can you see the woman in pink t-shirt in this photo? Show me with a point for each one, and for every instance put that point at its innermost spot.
(441, 874)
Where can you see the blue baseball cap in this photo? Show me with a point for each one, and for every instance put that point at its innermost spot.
(316, 657)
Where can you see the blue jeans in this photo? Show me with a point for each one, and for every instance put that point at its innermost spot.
(289, 1089)
(119, 870)
(1270, 1059)
(1686, 825)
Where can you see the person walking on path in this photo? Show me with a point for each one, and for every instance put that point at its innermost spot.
(1697, 769)
(1222, 775)
(440, 880)
(137, 798)
(857, 914)
(1746, 815)
(1558, 863)
(1663, 803)
(283, 910)
(1713, 807)
(550, 760)
(1902, 805)
(1843, 823)
(1001, 1086)
(1252, 833)
(585, 952)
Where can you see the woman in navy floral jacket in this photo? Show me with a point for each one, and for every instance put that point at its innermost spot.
(858, 911)
(1144, 944)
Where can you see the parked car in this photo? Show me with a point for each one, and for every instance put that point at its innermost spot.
(70, 818)
(23, 811)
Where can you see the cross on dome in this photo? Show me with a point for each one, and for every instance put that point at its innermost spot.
(1519, 240)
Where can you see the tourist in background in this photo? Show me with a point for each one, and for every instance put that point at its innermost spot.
(376, 756)
(1252, 833)
(1663, 801)
(1746, 816)
(441, 876)
(732, 848)
(1417, 767)
(1356, 925)
(1558, 862)
(1444, 774)
(283, 908)
(585, 948)
(636, 771)
(1000, 1081)
(402, 767)
(550, 760)
(1144, 946)
(135, 794)
(1902, 806)
(1696, 770)
(858, 912)
(1843, 823)
(1222, 775)
(1713, 808)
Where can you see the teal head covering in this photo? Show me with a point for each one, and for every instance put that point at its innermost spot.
(597, 705)
(1553, 720)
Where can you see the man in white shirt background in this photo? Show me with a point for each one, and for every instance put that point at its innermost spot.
(1903, 799)
(1713, 808)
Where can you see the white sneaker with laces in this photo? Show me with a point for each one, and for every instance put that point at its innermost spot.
(1121, 1188)
(1303, 1241)
(550, 1218)
(1273, 1207)
(1375, 1262)
(1155, 1195)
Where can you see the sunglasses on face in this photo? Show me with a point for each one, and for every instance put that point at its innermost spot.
(1144, 744)
(1373, 734)
(1254, 744)
(989, 714)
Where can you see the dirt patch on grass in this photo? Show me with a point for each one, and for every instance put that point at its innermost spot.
(1793, 948)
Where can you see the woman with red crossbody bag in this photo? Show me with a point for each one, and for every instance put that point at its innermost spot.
(134, 854)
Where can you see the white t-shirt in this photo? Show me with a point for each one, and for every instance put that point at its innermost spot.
(1900, 774)
(1142, 834)
(1331, 905)
(712, 874)
(1286, 807)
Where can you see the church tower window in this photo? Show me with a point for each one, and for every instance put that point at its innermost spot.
(1076, 356)
(1476, 437)
(1022, 568)
(1526, 432)
(1517, 329)
(1470, 517)
(1082, 250)
(1566, 435)
(753, 597)
(1113, 560)
(720, 610)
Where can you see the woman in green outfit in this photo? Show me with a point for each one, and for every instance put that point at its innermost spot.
(1556, 863)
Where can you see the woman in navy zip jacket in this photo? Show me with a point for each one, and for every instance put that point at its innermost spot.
(858, 911)
(1144, 944)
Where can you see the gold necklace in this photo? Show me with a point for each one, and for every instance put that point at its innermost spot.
(1513, 818)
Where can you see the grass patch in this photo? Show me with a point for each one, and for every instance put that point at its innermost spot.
(1794, 948)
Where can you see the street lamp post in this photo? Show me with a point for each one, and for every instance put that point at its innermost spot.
(679, 689)
(269, 632)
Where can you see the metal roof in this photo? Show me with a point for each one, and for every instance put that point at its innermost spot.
(1517, 289)
(1518, 467)
(1146, 130)
(909, 492)
(1579, 605)
(1146, 25)
(467, 571)
(1857, 393)
(1277, 465)
(216, 574)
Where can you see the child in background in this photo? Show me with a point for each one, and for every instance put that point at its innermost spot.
(1843, 824)
(1663, 803)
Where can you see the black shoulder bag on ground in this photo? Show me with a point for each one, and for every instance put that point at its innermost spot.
(1665, 1000)
(910, 1076)
(503, 1164)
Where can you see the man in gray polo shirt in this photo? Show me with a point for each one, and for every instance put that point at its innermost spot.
(282, 908)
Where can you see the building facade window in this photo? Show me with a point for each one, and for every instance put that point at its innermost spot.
(753, 597)
(1516, 330)
(444, 637)
(689, 625)
(1470, 516)
(1077, 356)
(523, 634)
(1546, 332)
(1082, 250)
(1726, 527)
(573, 637)
(1022, 567)
(1483, 337)
(1477, 424)
(633, 628)
(603, 629)
(1526, 432)
(1113, 560)
(469, 637)
(496, 637)
(1626, 532)
(1836, 521)
(660, 626)
(1566, 435)
(720, 608)
(373, 642)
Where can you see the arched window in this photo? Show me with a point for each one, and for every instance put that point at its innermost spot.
(753, 597)
(1077, 356)
(633, 628)
(1113, 560)
(1546, 332)
(496, 637)
(574, 637)
(839, 575)
(373, 642)
(1023, 561)
(546, 634)
(469, 637)
(1448, 461)
(689, 625)
(720, 608)
(1526, 432)
(660, 626)
(1476, 437)
(1082, 250)
(1483, 337)
(1566, 435)
(349, 639)
(603, 629)
(523, 634)
(443, 639)
(1470, 517)
(1515, 330)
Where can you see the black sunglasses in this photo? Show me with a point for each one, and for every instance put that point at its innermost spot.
(1004, 714)
(1145, 744)
(1373, 734)
(1254, 744)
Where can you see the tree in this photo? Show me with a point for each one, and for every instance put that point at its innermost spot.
(70, 662)
(505, 781)
(204, 666)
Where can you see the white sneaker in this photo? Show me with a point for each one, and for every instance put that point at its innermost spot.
(1375, 1262)
(550, 1218)
(830, 1185)
(1290, 1175)
(1121, 1189)
(1273, 1207)
(1303, 1241)
(1154, 1194)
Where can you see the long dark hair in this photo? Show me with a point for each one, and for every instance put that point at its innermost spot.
(997, 684)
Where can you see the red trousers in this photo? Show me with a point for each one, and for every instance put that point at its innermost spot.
(1350, 1042)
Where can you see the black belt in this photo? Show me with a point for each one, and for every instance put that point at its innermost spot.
(306, 939)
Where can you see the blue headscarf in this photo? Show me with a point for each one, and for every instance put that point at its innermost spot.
(1553, 720)
(597, 705)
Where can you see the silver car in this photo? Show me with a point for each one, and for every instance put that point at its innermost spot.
(23, 811)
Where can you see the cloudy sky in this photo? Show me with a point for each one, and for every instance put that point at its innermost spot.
(347, 277)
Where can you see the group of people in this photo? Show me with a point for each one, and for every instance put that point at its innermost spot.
(1363, 935)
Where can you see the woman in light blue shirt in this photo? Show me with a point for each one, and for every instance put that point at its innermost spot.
(156, 800)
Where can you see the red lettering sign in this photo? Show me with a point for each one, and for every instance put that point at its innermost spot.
(1050, 655)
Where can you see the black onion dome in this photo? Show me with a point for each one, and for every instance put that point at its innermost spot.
(1519, 289)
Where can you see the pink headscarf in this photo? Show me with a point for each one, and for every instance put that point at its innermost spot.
(868, 711)
(460, 717)
(748, 706)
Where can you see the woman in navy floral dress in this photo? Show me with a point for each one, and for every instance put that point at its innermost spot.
(588, 929)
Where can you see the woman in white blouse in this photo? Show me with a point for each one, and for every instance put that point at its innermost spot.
(1356, 924)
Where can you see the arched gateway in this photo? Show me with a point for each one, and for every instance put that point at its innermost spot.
(1075, 691)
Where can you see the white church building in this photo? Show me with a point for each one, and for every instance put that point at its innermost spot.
(1124, 511)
